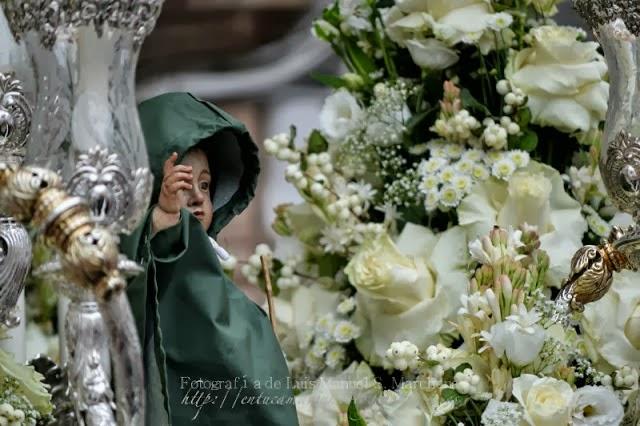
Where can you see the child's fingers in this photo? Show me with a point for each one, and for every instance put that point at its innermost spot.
(176, 186)
(169, 163)
(182, 168)
(174, 177)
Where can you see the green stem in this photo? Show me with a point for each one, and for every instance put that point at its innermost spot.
(391, 67)
(485, 78)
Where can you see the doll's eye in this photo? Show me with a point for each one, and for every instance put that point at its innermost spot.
(204, 186)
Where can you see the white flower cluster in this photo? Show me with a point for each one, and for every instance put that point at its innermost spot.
(457, 128)
(626, 377)
(328, 336)
(451, 171)
(514, 98)
(10, 416)
(385, 119)
(280, 147)
(402, 356)
(288, 279)
(252, 270)
(596, 223)
(496, 135)
(500, 413)
(466, 383)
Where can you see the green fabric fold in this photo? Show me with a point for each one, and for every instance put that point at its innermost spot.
(210, 354)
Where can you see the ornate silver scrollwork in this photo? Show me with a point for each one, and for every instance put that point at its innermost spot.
(48, 17)
(621, 172)
(56, 378)
(15, 118)
(600, 12)
(113, 192)
(89, 365)
(15, 261)
(15, 244)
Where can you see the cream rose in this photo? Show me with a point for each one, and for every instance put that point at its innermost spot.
(534, 195)
(453, 22)
(546, 401)
(340, 115)
(431, 53)
(612, 324)
(399, 285)
(563, 79)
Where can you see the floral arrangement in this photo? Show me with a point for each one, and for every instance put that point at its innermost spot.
(452, 178)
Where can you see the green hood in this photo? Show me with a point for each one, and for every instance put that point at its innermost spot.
(176, 122)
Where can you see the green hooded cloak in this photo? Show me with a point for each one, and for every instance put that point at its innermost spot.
(210, 354)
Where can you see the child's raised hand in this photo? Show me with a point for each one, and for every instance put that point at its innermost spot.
(175, 178)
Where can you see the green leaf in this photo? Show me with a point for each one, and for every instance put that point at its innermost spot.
(329, 80)
(317, 143)
(355, 419)
(329, 265)
(523, 117)
(362, 63)
(452, 395)
(528, 141)
(462, 367)
(448, 375)
(431, 363)
(332, 15)
(415, 120)
(471, 103)
(293, 132)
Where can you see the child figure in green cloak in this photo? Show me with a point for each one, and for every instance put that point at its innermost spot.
(210, 354)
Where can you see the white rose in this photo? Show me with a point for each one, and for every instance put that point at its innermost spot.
(431, 53)
(326, 404)
(467, 21)
(612, 324)
(546, 401)
(563, 79)
(340, 115)
(596, 406)
(421, 276)
(534, 195)
(520, 338)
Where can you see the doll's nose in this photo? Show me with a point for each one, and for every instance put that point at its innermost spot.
(195, 197)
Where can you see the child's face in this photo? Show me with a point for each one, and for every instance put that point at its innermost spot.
(198, 199)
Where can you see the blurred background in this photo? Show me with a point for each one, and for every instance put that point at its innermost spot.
(253, 58)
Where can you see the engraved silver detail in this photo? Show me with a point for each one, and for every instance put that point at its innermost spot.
(15, 261)
(49, 18)
(602, 12)
(114, 193)
(15, 119)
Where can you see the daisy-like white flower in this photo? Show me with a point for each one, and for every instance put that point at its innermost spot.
(462, 183)
(432, 165)
(450, 196)
(503, 169)
(454, 150)
(347, 306)
(500, 21)
(326, 325)
(480, 172)
(364, 190)
(447, 174)
(320, 346)
(493, 156)
(473, 155)
(346, 331)
(334, 239)
(430, 183)
(520, 158)
(431, 200)
(335, 356)
(465, 166)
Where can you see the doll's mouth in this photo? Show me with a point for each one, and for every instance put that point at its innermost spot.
(199, 214)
